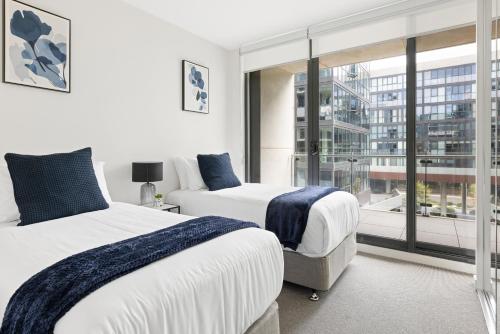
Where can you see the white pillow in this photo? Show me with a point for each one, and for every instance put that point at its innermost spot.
(194, 179)
(101, 180)
(180, 167)
(8, 207)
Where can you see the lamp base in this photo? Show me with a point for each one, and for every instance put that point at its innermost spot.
(148, 192)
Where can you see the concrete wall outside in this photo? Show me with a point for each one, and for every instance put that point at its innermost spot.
(277, 126)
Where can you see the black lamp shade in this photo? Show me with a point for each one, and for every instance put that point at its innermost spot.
(147, 171)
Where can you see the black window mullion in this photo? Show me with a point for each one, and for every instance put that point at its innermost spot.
(411, 166)
(313, 120)
(252, 106)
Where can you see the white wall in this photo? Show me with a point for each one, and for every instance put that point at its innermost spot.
(126, 96)
(235, 134)
(277, 126)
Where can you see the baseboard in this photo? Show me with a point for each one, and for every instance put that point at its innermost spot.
(418, 258)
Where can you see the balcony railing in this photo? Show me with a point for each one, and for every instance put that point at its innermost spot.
(445, 183)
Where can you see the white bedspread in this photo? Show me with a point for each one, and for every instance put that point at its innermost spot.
(331, 218)
(221, 286)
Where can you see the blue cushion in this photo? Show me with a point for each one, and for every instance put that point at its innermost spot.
(217, 172)
(54, 186)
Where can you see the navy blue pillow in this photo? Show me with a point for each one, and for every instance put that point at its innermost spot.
(54, 186)
(217, 172)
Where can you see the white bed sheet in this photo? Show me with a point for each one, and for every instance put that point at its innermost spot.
(331, 218)
(9, 224)
(221, 286)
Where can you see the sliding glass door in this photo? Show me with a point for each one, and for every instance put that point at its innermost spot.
(382, 120)
(494, 297)
(362, 124)
(345, 120)
(446, 140)
(495, 174)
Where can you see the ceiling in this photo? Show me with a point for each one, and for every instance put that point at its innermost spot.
(231, 23)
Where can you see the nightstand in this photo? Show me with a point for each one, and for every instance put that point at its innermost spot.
(165, 207)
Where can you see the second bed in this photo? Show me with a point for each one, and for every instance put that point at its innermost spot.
(328, 243)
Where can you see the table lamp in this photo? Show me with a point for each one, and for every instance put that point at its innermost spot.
(147, 172)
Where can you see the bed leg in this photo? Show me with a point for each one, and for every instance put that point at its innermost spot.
(314, 296)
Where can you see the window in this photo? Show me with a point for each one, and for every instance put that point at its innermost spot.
(300, 93)
(325, 98)
(326, 141)
(301, 140)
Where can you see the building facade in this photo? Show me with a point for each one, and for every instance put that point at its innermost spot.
(344, 126)
(445, 136)
(363, 118)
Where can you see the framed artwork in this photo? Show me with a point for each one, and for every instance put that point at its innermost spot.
(195, 87)
(36, 47)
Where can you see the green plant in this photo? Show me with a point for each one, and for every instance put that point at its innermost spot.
(451, 211)
(158, 196)
(471, 190)
(422, 189)
(357, 185)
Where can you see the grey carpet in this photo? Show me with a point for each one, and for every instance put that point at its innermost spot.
(377, 295)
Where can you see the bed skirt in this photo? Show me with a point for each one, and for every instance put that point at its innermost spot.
(268, 323)
(319, 273)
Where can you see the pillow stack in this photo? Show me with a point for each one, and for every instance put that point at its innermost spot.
(101, 180)
(217, 171)
(189, 174)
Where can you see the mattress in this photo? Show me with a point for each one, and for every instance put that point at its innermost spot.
(331, 219)
(220, 286)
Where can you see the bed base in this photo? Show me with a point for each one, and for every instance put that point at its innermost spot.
(319, 273)
(268, 323)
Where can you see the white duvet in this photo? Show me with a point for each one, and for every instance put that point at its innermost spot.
(221, 286)
(331, 218)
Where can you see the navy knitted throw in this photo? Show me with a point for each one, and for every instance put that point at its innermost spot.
(287, 214)
(42, 300)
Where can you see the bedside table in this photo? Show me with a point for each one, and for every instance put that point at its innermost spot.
(165, 207)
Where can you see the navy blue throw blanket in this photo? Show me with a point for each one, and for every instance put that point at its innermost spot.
(287, 214)
(42, 300)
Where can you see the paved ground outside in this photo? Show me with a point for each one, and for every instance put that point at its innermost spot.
(438, 230)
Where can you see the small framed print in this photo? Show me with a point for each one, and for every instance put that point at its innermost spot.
(195, 87)
(36, 47)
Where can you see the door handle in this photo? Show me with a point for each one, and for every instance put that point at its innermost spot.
(314, 147)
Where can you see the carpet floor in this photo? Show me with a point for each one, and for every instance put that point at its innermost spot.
(378, 295)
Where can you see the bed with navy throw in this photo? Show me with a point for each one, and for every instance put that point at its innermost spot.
(287, 214)
(48, 295)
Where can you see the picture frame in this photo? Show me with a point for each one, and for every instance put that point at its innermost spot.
(40, 58)
(195, 87)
